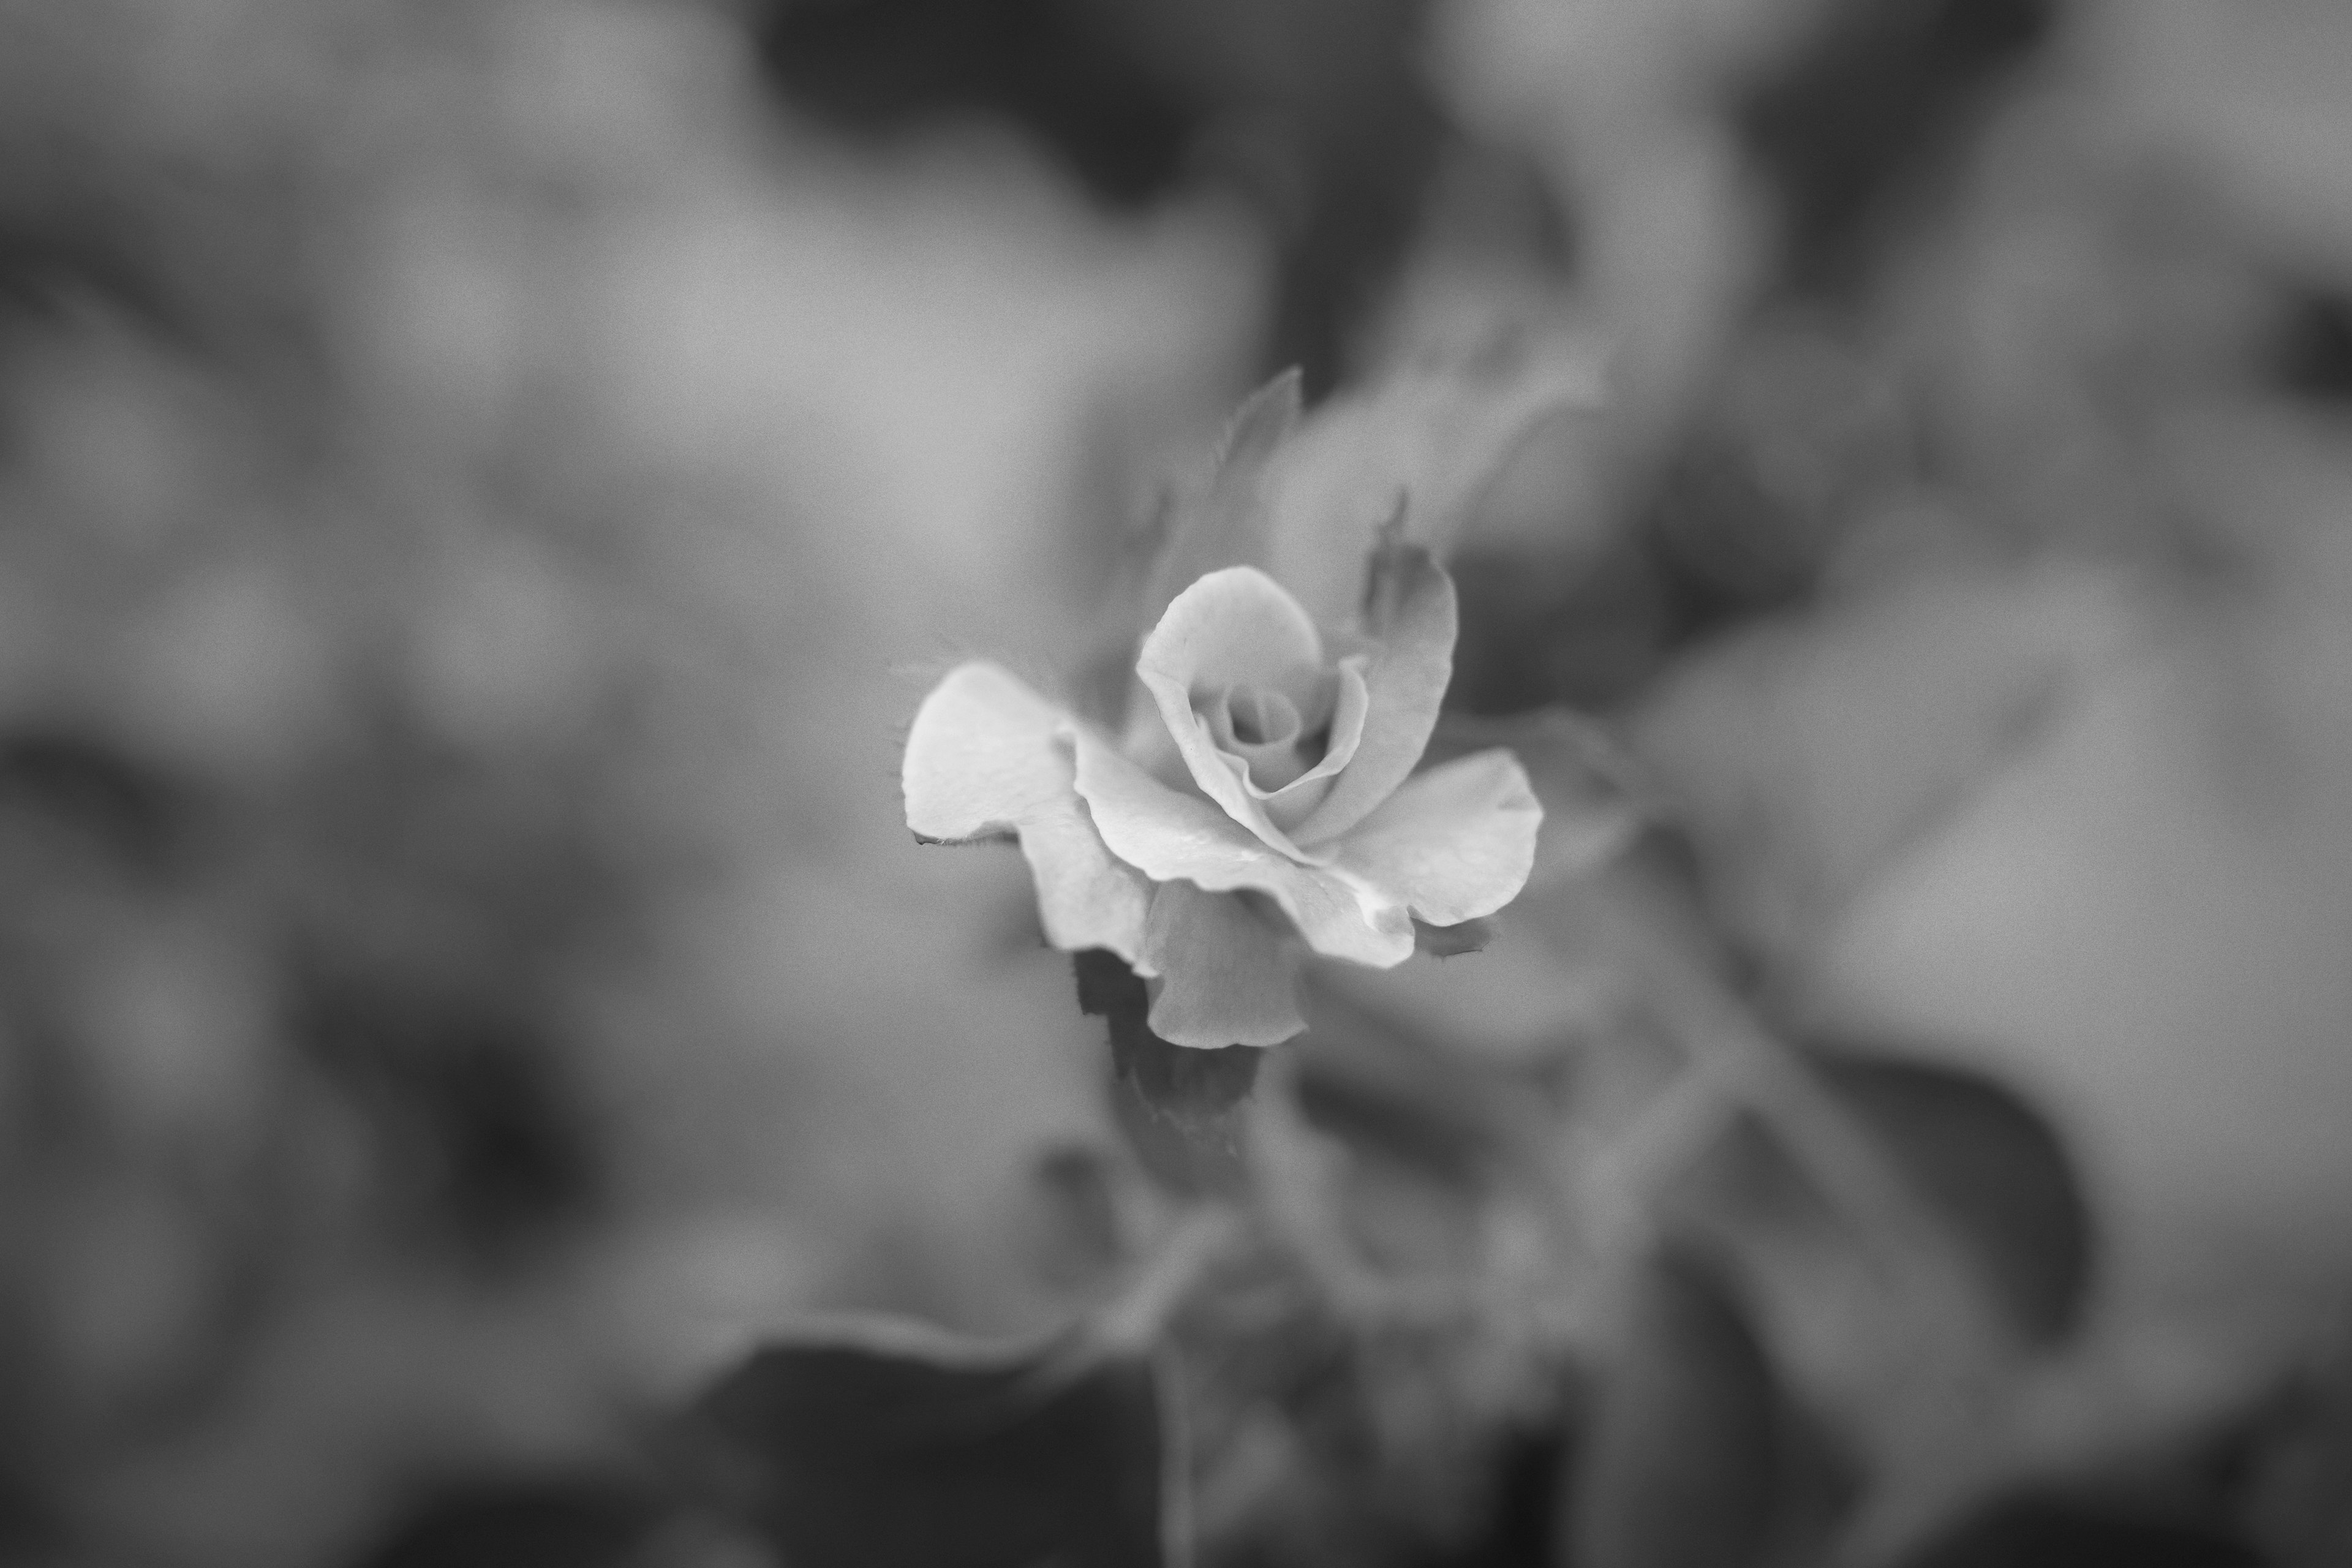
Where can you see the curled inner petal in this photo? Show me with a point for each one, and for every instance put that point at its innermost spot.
(1412, 621)
(1256, 717)
(1172, 835)
(1263, 726)
(1288, 797)
(1236, 628)
(1263, 730)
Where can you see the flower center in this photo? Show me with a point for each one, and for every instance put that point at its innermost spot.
(1263, 728)
(1262, 717)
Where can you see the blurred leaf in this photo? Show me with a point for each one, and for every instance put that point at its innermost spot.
(479, 1127)
(1068, 73)
(1991, 1166)
(1306, 500)
(1319, 114)
(2051, 1532)
(2311, 356)
(1434, 1146)
(1521, 1526)
(1428, 440)
(1691, 1456)
(1848, 134)
(134, 812)
(1812, 759)
(1081, 1236)
(1180, 1106)
(1223, 520)
(2301, 1485)
(888, 1446)
(564, 1522)
(1384, 1089)
(1909, 1324)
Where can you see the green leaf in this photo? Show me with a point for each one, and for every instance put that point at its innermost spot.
(884, 1445)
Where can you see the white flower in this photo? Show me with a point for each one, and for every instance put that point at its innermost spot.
(1262, 797)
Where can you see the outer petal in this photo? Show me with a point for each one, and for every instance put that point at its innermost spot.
(1594, 802)
(1228, 975)
(1452, 844)
(1172, 836)
(987, 756)
(1409, 613)
(1233, 626)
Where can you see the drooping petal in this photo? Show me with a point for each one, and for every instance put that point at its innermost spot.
(1233, 627)
(1169, 836)
(1228, 977)
(987, 756)
(1410, 614)
(1453, 843)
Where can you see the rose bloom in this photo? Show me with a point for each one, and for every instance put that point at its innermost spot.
(1262, 798)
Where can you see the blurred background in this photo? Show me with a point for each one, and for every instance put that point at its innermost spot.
(482, 488)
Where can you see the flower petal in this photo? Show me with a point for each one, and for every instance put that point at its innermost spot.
(1343, 731)
(1452, 844)
(1232, 627)
(1228, 975)
(1594, 802)
(1409, 613)
(987, 756)
(1170, 836)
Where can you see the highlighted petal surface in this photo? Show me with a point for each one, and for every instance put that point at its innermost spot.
(1230, 975)
(1169, 836)
(1452, 844)
(987, 756)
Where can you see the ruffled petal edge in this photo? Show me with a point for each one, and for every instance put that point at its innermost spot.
(987, 756)
(1453, 843)
(1228, 973)
(1171, 837)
